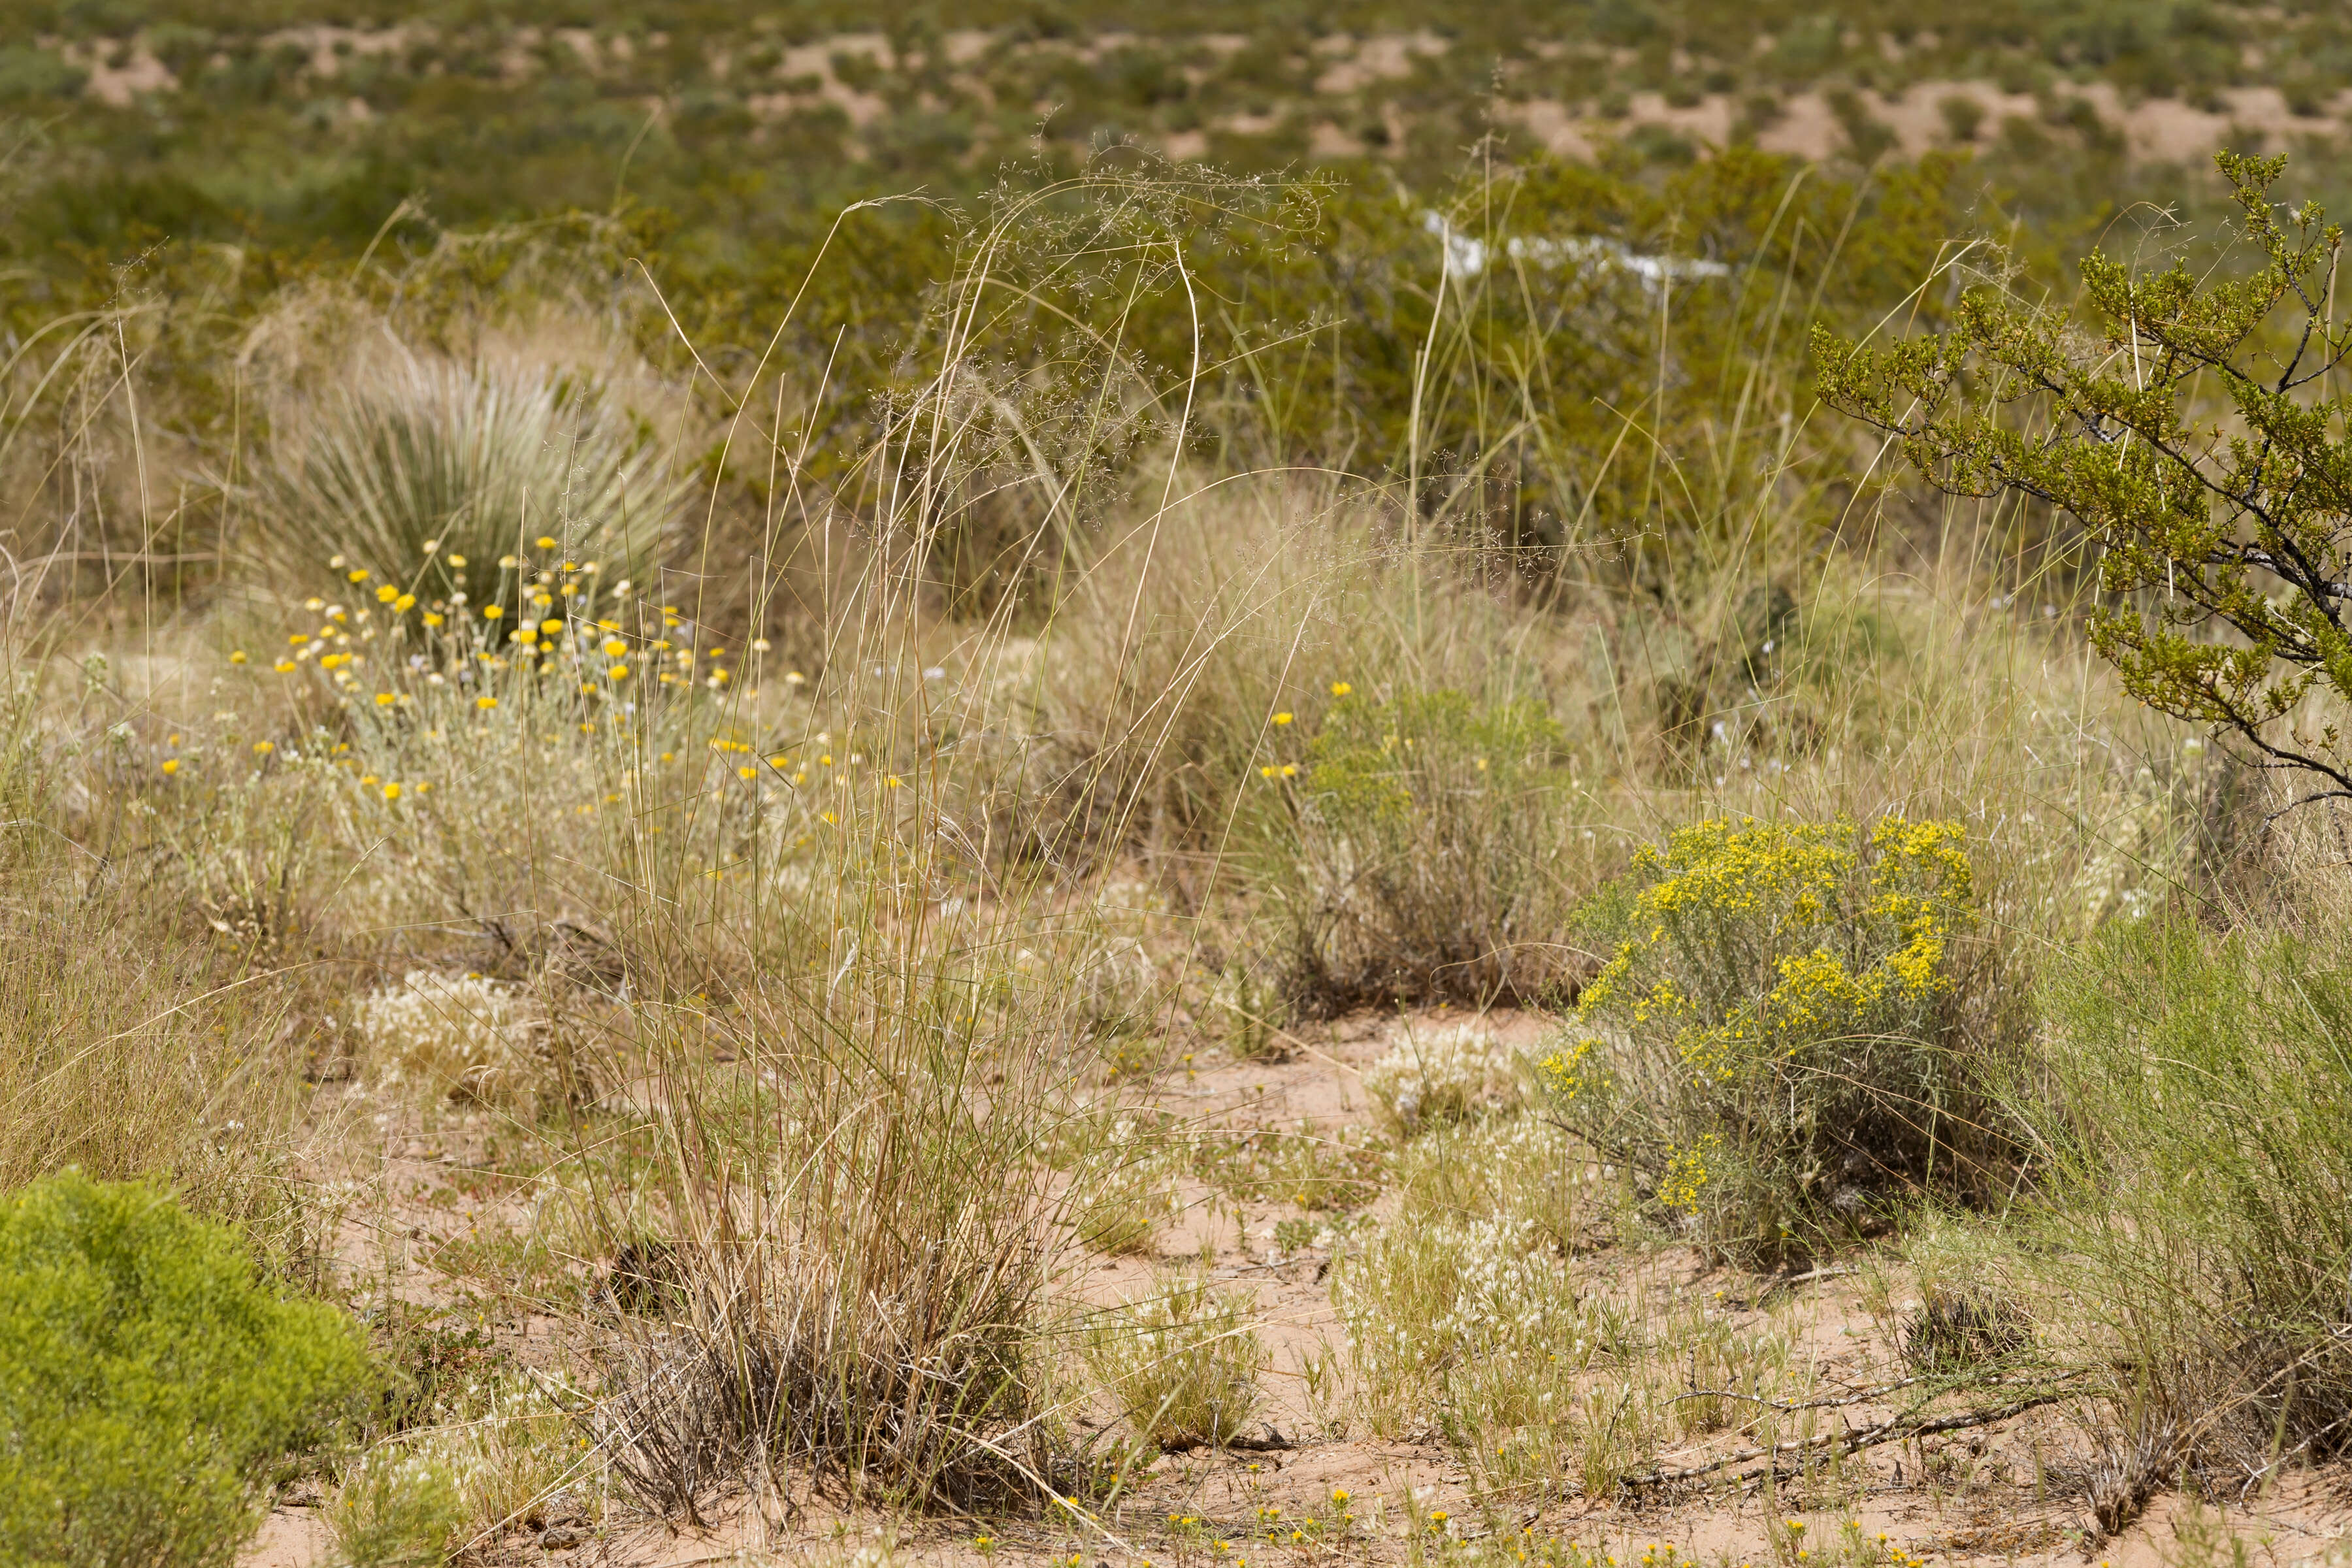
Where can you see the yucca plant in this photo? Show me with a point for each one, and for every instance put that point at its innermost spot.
(476, 460)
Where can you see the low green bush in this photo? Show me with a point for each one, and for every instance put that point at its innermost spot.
(1415, 850)
(1774, 1046)
(149, 1381)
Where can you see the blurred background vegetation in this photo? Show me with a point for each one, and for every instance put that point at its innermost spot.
(183, 167)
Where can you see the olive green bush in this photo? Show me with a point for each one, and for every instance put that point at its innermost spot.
(2191, 1106)
(148, 1382)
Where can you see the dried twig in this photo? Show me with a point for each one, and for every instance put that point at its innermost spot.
(1895, 1429)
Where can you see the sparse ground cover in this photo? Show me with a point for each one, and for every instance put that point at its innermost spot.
(1179, 868)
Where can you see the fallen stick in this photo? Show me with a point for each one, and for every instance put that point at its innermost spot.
(1895, 1429)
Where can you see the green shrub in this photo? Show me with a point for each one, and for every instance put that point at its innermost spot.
(2192, 1106)
(148, 1382)
(1771, 1045)
(1416, 850)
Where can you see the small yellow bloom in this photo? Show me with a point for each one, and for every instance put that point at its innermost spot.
(404, 604)
(385, 699)
(357, 574)
(618, 672)
(892, 780)
(1290, 770)
(747, 773)
(284, 667)
(387, 594)
(171, 765)
(1282, 718)
(544, 542)
(1340, 688)
(492, 612)
(456, 560)
(264, 748)
(524, 635)
(432, 617)
(391, 792)
(486, 702)
(615, 647)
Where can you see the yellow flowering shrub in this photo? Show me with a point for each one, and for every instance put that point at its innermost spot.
(1770, 1042)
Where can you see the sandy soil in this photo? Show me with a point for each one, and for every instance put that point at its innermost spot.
(1981, 1496)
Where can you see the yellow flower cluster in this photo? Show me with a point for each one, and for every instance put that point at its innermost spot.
(1573, 1071)
(1688, 1174)
(1777, 924)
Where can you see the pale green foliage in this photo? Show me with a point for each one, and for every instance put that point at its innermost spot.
(399, 1508)
(2193, 1107)
(417, 1501)
(147, 1381)
(1181, 1363)
(2199, 436)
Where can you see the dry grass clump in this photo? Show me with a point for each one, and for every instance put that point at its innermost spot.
(857, 1175)
(2190, 1100)
(1181, 1363)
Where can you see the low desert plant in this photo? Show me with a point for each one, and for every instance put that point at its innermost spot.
(1769, 1044)
(1416, 848)
(416, 456)
(148, 1383)
(1451, 1073)
(495, 1460)
(399, 1508)
(460, 1036)
(2191, 1107)
(1181, 1363)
